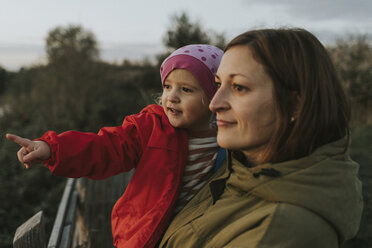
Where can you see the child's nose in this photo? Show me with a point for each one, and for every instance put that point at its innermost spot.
(173, 97)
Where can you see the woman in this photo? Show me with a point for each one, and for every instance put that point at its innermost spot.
(288, 180)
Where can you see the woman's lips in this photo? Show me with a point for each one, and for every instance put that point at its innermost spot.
(224, 123)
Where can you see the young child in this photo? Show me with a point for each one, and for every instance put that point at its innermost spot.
(172, 147)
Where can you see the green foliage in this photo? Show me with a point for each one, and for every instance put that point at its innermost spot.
(353, 62)
(5, 77)
(71, 43)
(183, 32)
(23, 193)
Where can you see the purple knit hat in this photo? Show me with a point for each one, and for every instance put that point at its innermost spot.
(201, 60)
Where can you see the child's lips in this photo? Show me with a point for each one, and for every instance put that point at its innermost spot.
(174, 111)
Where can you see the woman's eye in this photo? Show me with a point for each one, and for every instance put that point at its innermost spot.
(238, 87)
(218, 84)
(186, 89)
(166, 86)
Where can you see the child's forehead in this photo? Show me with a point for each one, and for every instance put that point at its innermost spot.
(183, 76)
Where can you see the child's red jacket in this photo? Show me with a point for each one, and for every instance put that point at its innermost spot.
(146, 142)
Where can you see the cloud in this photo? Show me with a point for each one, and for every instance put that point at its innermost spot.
(320, 10)
(327, 19)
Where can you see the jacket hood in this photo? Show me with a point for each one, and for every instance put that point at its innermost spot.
(326, 182)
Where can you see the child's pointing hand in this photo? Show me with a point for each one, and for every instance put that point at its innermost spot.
(32, 152)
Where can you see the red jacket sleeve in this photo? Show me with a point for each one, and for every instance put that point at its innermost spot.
(112, 151)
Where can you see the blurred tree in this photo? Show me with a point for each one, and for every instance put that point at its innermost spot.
(74, 86)
(219, 39)
(145, 77)
(182, 32)
(71, 43)
(3, 79)
(353, 61)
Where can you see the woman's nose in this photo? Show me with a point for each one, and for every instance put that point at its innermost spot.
(219, 101)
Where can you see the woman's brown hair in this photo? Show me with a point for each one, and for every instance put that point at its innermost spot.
(311, 105)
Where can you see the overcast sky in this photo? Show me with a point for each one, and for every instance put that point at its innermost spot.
(134, 29)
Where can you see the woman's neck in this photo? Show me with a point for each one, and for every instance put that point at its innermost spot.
(252, 158)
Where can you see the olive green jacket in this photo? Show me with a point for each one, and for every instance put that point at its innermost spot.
(315, 201)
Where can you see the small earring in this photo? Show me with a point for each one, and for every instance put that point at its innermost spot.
(292, 119)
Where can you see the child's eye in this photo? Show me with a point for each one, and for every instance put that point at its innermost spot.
(239, 88)
(166, 86)
(186, 89)
(218, 84)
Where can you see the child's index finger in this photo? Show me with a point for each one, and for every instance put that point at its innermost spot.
(17, 139)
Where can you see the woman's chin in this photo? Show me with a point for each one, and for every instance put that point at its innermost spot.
(225, 142)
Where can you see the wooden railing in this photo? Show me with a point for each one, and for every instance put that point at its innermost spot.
(32, 232)
(83, 216)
